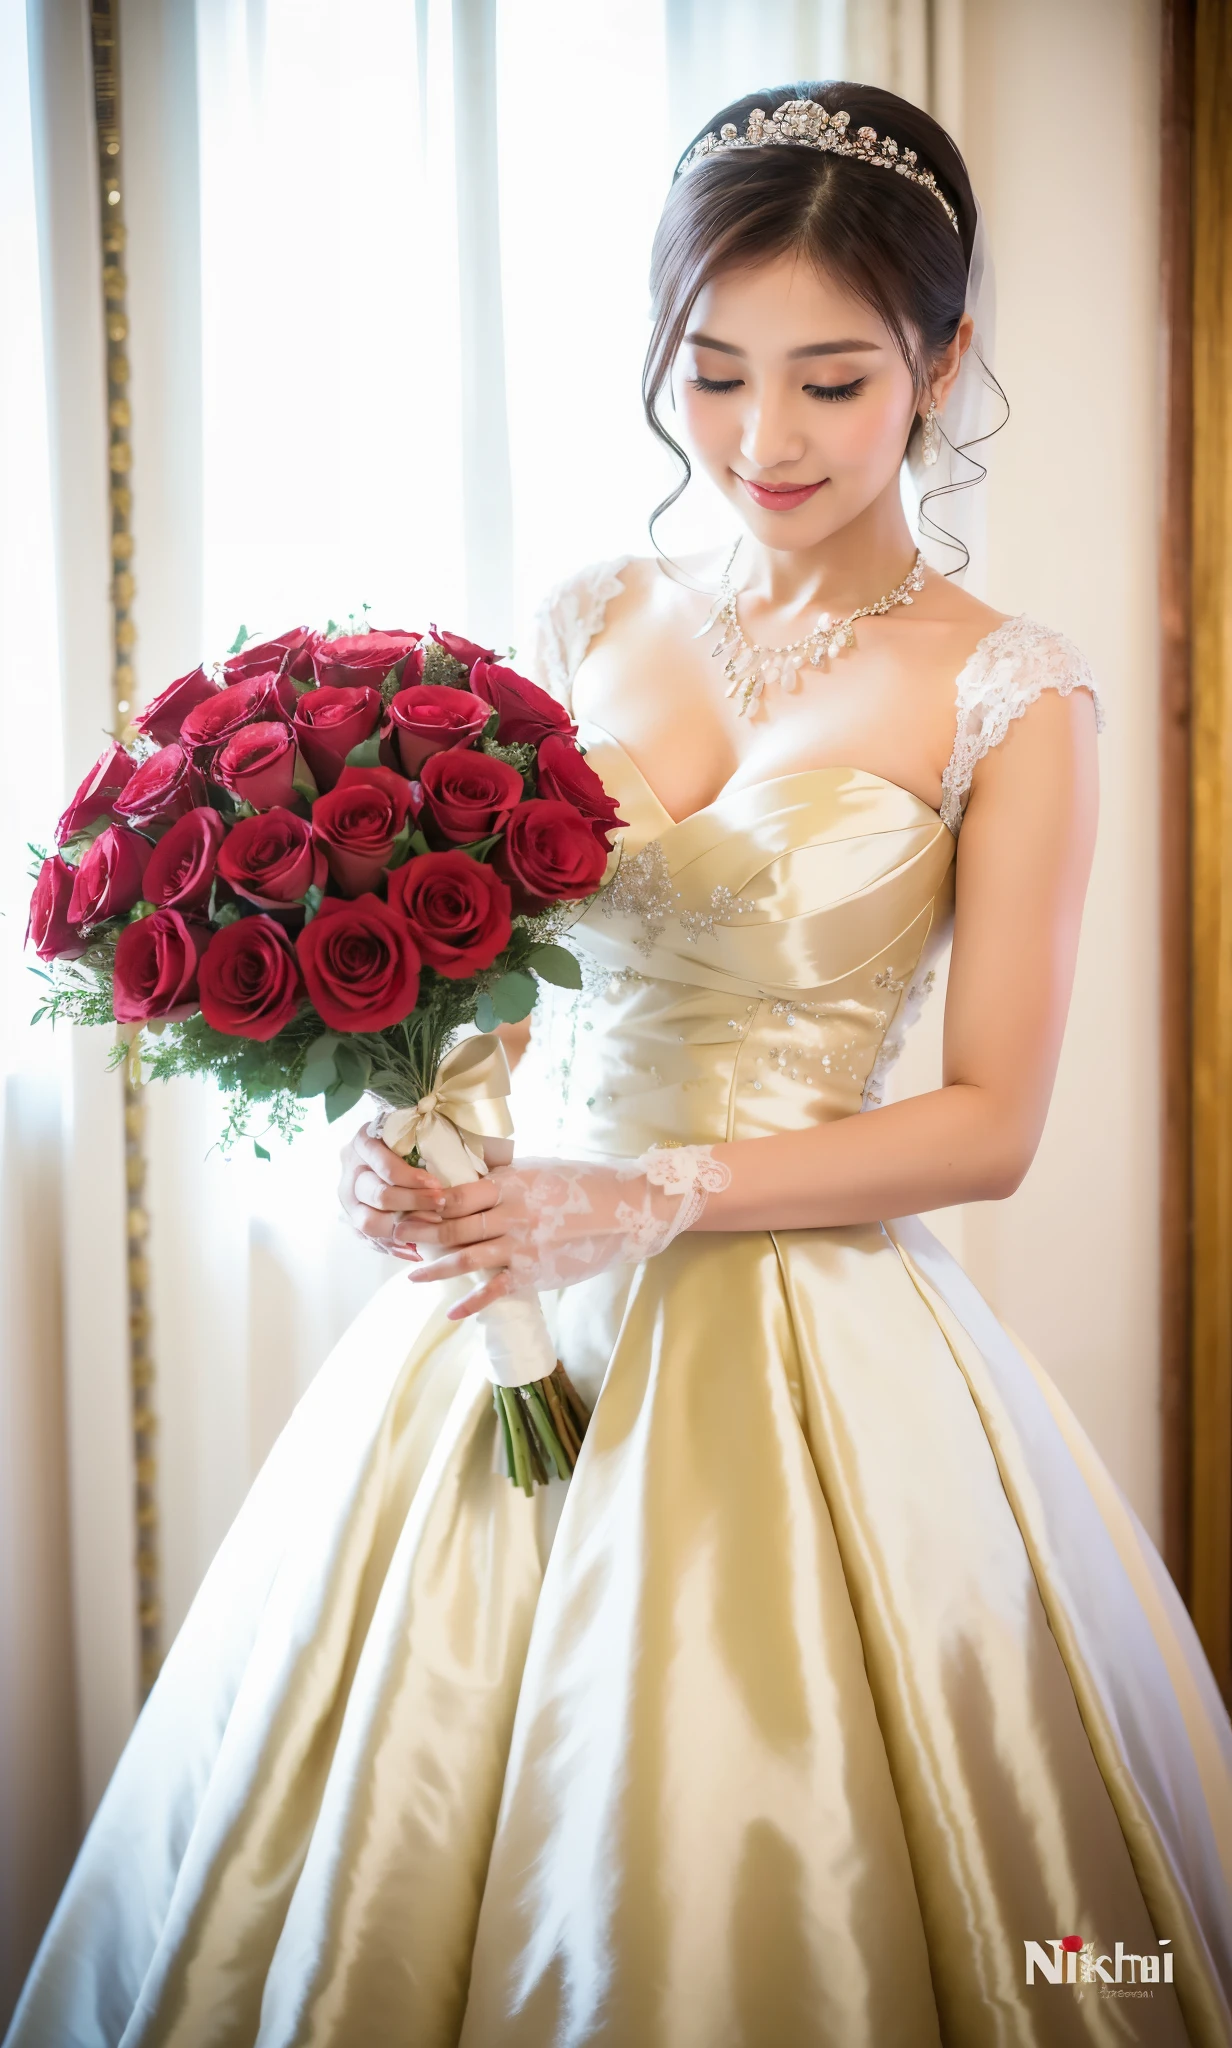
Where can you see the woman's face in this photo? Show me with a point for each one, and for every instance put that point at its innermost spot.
(795, 400)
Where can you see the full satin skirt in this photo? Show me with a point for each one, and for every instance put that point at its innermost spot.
(840, 1671)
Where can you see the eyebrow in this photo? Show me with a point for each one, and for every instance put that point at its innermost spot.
(811, 348)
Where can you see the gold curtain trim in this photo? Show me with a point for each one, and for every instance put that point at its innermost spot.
(104, 33)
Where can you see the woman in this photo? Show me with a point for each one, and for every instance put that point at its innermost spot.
(840, 1698)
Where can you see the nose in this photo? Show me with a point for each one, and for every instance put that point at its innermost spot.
(769, 438)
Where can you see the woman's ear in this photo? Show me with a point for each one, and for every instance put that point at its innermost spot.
(946, 368)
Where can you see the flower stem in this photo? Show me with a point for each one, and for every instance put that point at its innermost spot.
(543, 1424)
(509, 1408)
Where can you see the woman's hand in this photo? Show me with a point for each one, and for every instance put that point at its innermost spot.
(383, 1197)
(544, 1223)
(398, 1207)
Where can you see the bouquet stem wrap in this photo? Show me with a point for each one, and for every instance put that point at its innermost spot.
(542, 1417)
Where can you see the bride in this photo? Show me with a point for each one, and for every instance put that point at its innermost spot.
(839, 1700)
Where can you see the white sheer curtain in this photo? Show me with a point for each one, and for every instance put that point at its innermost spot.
(388, 305)
(38, 1791)
(423, 246)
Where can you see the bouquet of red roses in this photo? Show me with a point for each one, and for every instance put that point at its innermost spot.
(314, 869)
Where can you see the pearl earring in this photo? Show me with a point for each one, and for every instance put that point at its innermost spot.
(930, 445)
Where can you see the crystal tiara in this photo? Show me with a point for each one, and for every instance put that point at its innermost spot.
(808, 125)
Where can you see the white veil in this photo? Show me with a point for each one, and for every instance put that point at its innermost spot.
(974, 408)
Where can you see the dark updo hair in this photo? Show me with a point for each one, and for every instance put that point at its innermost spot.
(883, 236)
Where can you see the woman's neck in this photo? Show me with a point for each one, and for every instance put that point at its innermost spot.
(852, 567)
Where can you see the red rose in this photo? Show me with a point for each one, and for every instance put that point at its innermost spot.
(360, 963)
(550, 854)
(430, 717)
(211, 724)
(287, 653)
(163, 788)
(180, 871)
(156, 967)
(249, 979)
(55, 935)
(96, 795)
(366, 657)
(526, 711)
(357, 824)
(108, 881)
(566, 775)
(466, 651)
(458, 908)
(467, 796)
(161, 720)
(257, 765)
(271, 859)
(328, 723)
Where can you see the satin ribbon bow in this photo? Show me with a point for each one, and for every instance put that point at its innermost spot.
(467, 1102)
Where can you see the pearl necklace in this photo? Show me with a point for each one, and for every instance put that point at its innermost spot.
(748, 668)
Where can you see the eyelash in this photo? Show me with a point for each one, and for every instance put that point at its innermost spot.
(829, 392)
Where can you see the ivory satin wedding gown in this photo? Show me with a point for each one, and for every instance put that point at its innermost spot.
(840, 1671)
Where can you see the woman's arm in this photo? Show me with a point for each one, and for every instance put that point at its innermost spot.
(515, 1038)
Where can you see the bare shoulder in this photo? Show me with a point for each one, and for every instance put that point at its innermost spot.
(957, 621)
(950, 605)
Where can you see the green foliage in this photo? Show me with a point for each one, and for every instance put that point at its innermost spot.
(241, 640)
(303, 781)
(75, 849)
(400, 851)
(319, 1070)
(367, 754)
(333, 631)
(520, 754)
(222, 913)
(513, 997)
(79, 991)
(441, 668)
(555, 964)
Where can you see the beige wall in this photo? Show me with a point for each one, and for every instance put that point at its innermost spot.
(1057, 113)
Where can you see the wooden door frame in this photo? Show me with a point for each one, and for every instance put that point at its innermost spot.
(1196, 824)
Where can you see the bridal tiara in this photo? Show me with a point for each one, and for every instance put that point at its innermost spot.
(808, 125)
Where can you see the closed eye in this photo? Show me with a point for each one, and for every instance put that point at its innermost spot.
(830, 392)
(835, 391)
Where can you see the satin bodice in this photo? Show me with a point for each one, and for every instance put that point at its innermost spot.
(754, 968)
(746, 970)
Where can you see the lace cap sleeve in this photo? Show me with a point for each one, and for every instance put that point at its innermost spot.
(567, 621)
(1011, 667)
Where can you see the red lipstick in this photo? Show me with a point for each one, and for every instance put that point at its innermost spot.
(780, 497)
